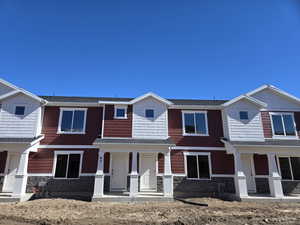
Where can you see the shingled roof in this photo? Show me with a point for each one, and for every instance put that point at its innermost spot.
(97, 99)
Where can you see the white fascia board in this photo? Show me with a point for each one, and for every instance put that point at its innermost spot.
(9, 94)
(276, 90)
(74, 104)
(202, 107)
(245, 97)
(114, 103)
(23, 91)
(150, 94)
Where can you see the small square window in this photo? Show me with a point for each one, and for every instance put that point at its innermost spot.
(120, 113)
(244, 115)
(20, 110)
(149, 113)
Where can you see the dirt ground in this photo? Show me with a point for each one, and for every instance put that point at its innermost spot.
(59, 211)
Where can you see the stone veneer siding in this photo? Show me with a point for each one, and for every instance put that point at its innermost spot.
(217, 186)
(262, 185)
(48, 187)
(291, 187)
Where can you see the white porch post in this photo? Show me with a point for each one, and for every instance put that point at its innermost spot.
(168, 176)
(134, 177)
(19, 188)
(274, 177)
(240, 178)
(99, 177)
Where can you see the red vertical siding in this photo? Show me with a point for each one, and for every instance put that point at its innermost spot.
(215, 128)
(297, 121)
(106, 162)
(222, 163)
(267, 126)
(261, 164)
(177, 161)
(50, 125)
(42, 161)
(3, 157)
(161, 161)
(117, 127)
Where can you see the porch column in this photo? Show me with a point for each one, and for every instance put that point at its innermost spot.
(99, 177)
(134, 177)
(168, 176)
(240, 178)
(274, 177)
(19, 188)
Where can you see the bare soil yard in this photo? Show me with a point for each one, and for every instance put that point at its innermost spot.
(59, 211)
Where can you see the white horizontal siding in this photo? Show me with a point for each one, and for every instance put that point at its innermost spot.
(276, 101)
(142, 127)
(243, 130)
(19, 126)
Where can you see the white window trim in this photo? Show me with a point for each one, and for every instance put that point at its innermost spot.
(115, 112)
(153, 114)
(20, 105)
(183, 123)
(290, 165)
(196, 154)
(283, 136)
(59, 131)
(56, 153)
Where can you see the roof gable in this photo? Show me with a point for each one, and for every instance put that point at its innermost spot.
(150, 94)
(250, 99)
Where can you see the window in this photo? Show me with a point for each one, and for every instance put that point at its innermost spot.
(244, 115)
(120, 112)
(289, 168)
(283, 124)
(198, 166)
(195, 123)
(20, 110)
(68, 165)
(149, 113)
(72, 121)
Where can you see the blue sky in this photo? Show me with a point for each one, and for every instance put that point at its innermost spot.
(179, 49)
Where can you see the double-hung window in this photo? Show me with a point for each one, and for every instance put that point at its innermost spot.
(198, 165)
(68, 164)
(72, 121)
(283, 125)
(289, 167)
(195, 123)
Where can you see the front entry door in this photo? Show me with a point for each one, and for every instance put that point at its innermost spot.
(119, 171)
(148, 171)
(13, 162)
(248, 169)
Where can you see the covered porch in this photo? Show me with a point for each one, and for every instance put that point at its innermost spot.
(132, 171)
(266, 170)
(14, 153)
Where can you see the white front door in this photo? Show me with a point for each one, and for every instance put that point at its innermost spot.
(119, 171)
(248, 169)
(11, 170)
(148, 172)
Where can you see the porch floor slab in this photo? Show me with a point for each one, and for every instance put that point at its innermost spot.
(140, 197)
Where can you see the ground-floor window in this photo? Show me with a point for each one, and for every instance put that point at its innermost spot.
(289, 167)
(198, 165)
(67, 164)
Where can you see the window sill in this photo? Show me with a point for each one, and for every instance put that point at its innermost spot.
(203, 135)
(291, 180)
(70, 133)
(200, 179)
(120, 118)
(64, 178)
(285, 137)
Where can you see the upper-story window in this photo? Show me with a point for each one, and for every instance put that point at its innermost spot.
(20, 110)
(120, 112)
(195, 123)
(72, 121)
(149, 113)
(283, 124)
(244, 115)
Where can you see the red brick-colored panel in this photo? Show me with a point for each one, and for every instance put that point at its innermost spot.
(297, 121)
(161, 160)
(261, 164)
(215, 128)
(42, 161)
(177, 161)
(3, 157)
(50, 127)
(222, 163)
(117, 127)
(106, 162)
(267, 126)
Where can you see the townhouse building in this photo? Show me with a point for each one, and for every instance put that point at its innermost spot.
(149, 147)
